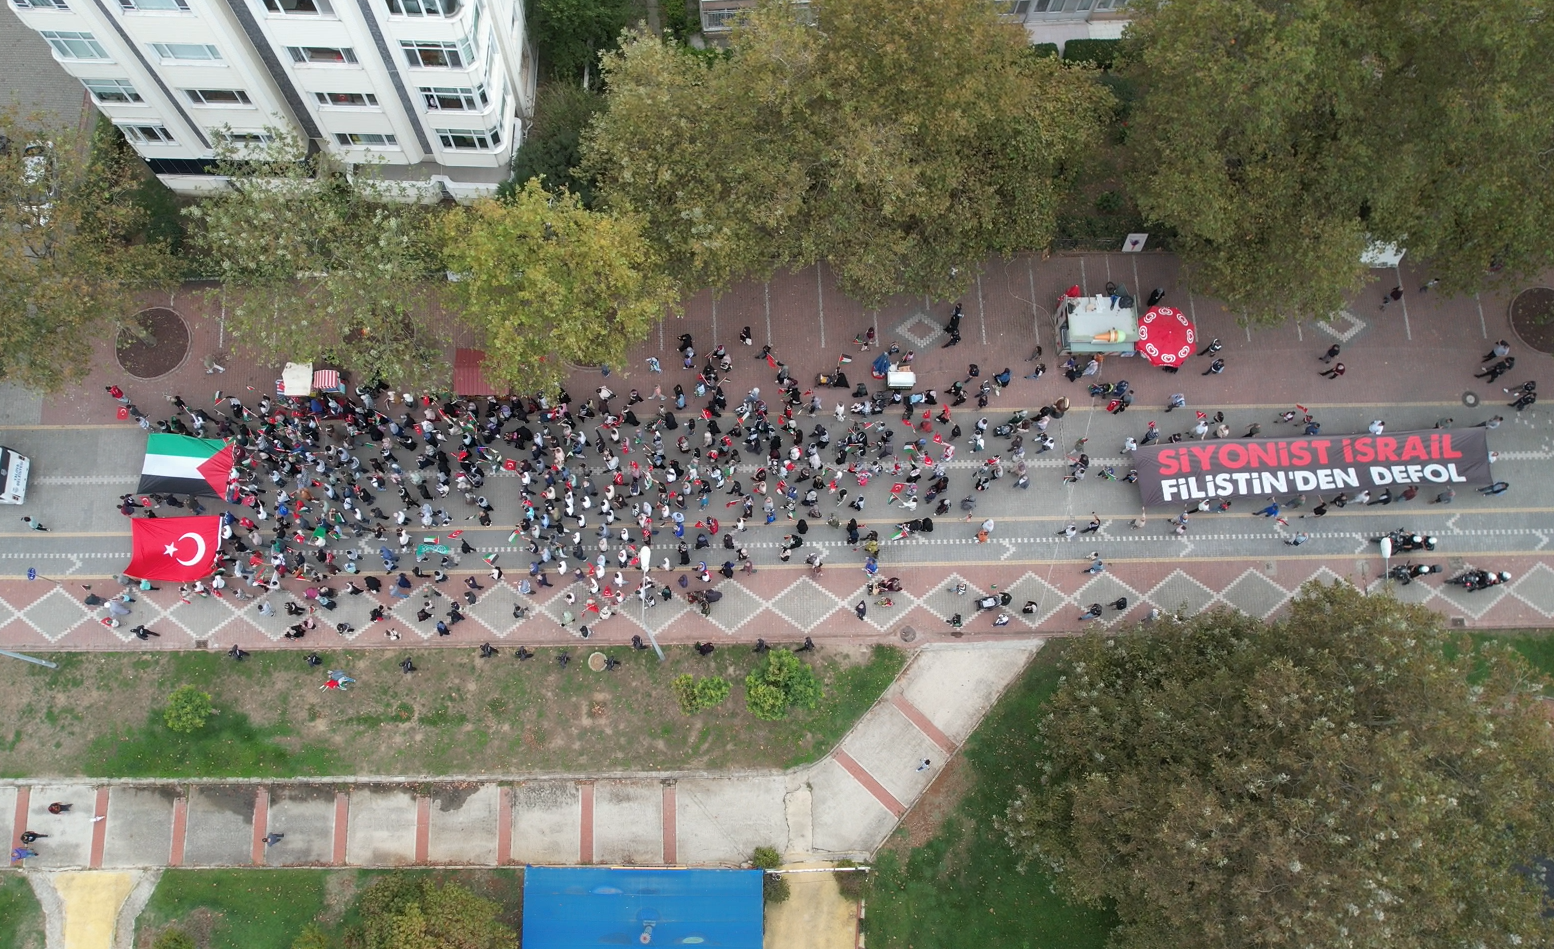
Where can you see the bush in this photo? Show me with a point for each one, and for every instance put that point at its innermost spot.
(1044, 50)
(1100, 53)
(173, 939)
(187, 709)
(852, 883)
(781, 681)
(766, 858)
(695, 695)
(312, 937)
(775, 888)
(679, 22)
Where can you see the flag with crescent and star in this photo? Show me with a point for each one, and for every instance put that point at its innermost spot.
(174, 549)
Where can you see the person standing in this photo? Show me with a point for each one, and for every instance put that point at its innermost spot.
(1502, 349)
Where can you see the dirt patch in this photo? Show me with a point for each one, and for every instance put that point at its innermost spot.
(816, 916)
(1532, 318)
(158, 349)
(198, 925)
(936, 806)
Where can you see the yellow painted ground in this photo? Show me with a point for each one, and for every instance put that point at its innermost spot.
(815, 917)
(91, 900)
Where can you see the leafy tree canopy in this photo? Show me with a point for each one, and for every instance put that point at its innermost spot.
(1278, 139)
(187, 709)
(548, 283)
(781, 681)
(71, 261)
(1343, 777)
(552, 148)
(318, 267)
(900, 142)
(571, 34)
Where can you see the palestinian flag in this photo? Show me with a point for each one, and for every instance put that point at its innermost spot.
(179, 464)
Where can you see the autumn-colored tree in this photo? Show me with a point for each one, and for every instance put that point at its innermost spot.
(1347, 776)
(71, 259)
(401, 912)
(548, 283)
(317, 266)
(1278, 139)
(900, 142)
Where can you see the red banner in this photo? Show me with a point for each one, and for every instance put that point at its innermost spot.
(1186, 472)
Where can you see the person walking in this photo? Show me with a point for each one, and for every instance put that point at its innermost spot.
(925, 765)
(1501, 350)
(1215, 368)
(1499, 487)
(1445, 497)
(1335, 372)
(1330, 355)
(1214, 346)
(1095, 524)
(1096, 564)
(272, 838)
(34, 525)
(1524, 400)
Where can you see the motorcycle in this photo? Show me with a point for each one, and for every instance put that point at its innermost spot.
(1404, 541)
(1480, 579)
(1406, 573)
(992, 601)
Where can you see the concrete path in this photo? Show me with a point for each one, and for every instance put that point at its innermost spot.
(845, 805)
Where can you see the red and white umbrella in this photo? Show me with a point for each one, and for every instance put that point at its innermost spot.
(1166, 336)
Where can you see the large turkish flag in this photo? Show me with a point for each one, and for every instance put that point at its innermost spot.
(175, 549)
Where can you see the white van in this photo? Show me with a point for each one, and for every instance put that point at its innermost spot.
(13, 476)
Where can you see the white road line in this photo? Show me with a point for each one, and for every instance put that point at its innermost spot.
(981, 310)
(820, 300)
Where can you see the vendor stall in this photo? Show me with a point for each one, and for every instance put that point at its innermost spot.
(1104, 323)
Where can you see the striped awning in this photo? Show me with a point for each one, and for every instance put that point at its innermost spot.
(326, 380)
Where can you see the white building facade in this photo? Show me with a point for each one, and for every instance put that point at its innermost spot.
(434, 91)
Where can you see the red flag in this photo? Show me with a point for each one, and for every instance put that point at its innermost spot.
(771, 360)
(174, 549)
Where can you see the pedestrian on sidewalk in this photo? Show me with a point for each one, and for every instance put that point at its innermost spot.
(1272, 510)
(34, 525)
(1492, 372)
(1425, 287)
(1215, 368)
(1499, 487)
(1095, 524)
(925, 765)
(1445, 497)
(1501, 350)
(1327, 357)
(1214, 346)
(1335, 372)
(117, 394)
(1396, 293)
(59, 807)
(1297, 540)
(29, 836)
(1096, 564)
(1524, 400)
(861, 610)
(272, 838)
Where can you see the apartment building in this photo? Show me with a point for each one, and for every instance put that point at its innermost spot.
(1047, 21)
(436, 91)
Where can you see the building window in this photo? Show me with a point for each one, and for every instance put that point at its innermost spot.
(349, 139)
(470, 138)
(325, 55)
(444, 54)
(112, 90)
(187, 52)
(147, 134)
(74, 45)
(423, 7)
(720, 20)
(455, 99)
(41, 4)
(300, 7)
(159, 6)
(240, 136)
(218, 96)
(358, 99)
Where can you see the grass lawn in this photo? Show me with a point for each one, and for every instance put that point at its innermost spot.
(962, 888)
(21, 918)
(267, 909)
(99, 714)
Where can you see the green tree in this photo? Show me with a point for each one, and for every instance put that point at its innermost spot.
(71, 263)
(400, 912)
(781, 681)
(318, 266)
(1348, 776)
(570, 34)
(696, 694)
(551, 149)
(1279, 139)
(548, 283)
(902, 143)
(187, 709)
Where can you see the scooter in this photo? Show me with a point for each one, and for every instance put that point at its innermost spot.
(1403, 541)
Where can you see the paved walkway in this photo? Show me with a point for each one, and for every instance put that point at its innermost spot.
(845, 805)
